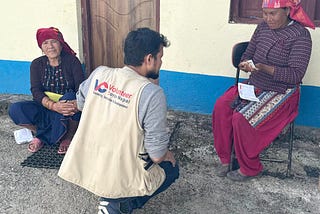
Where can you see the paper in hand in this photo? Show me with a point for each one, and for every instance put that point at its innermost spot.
(246, 92)
(252, 64)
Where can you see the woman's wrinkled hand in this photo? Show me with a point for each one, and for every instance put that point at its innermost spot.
(246, 67)
(65, 107)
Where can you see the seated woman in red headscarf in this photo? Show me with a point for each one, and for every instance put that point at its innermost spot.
(280, 49)
(55, 77)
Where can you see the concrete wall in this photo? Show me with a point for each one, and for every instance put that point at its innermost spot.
(19, 22)
(21, 19)
(196, 67)
(202, 38)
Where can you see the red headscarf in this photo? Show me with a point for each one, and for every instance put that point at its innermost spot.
(296, 11)
(53, 33)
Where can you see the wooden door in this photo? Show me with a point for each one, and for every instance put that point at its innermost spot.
(107, 22)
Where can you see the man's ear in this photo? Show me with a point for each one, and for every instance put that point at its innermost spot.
(148, 58)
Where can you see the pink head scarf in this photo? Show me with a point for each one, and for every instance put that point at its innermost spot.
(53, 33)
(296, 11)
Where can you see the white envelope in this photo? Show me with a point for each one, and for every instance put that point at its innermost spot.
(23, 136)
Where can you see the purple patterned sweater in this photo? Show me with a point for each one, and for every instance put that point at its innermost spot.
(288, 49)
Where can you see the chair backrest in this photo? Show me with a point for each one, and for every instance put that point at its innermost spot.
(237, 51)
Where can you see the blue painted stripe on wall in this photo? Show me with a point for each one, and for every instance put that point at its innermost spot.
(198, 93)
(185, 92)
(193, 92)
(14, 77)
(309, 111)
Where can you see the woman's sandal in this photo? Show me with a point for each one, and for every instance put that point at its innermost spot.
(64, 145)
(237, 176)
(35, 145)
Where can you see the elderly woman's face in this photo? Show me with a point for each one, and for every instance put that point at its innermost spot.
(277, 17)
(51, 48)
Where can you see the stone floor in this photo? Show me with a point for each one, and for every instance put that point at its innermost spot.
(39, 190)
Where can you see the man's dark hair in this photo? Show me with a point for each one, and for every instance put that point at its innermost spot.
(140, 43)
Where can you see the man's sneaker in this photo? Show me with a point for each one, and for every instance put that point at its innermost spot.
(103, 207)
(125, 207)
(106, 207)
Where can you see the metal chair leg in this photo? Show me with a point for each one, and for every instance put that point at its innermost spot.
(290, 149)
(234, 165)
(232, 157)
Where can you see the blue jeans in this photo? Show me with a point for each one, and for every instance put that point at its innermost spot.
(172, 173)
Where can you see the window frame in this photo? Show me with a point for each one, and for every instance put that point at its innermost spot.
(254, 16)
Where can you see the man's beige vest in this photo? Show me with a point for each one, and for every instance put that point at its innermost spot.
(105, 154)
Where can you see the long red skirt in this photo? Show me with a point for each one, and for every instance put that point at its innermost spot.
(230, 126)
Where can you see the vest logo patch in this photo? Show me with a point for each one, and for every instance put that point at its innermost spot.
(102, 87)
(112, 93)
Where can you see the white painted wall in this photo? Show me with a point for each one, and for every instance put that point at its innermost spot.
(202, 39)
(20, 20)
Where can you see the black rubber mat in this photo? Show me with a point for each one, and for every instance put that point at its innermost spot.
(47, 157)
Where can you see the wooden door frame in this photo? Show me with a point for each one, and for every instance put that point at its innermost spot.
(86, 33)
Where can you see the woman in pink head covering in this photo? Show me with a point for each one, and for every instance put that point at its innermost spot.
(55, 77)
(280, 49)
(296, 12)
(53, 33)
